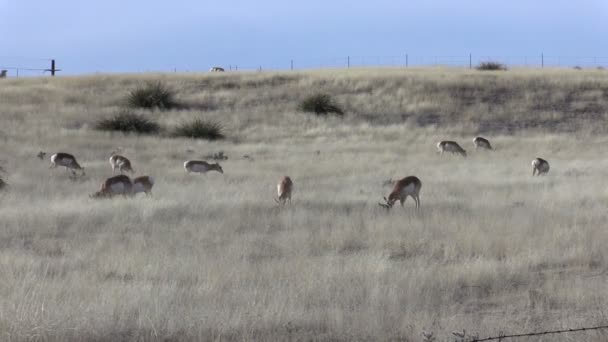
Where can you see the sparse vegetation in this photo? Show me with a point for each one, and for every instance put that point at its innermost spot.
(152, 95)
(320, 104)
(199, 129)
(128, 122)
(490, 65)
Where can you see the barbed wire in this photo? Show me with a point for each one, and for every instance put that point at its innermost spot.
(502, 336)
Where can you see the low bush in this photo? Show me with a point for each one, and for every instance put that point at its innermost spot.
(152, 95)
(128, 122)
(320, 104)
(199, 129)
(491, 66)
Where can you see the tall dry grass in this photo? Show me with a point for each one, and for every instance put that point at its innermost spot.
(214, 258)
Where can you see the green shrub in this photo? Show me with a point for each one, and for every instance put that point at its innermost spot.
(199, 129)
(489, 65)
(128, 122)
(152, 95)
(320, 104)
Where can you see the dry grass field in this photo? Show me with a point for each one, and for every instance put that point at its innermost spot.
(212, 257)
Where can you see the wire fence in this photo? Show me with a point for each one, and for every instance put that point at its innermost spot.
(16, 66)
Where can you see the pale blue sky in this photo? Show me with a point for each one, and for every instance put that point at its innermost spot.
(136, 35)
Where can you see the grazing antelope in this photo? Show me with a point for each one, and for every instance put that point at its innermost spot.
(115, 185)
(216, 69)
(451, 146)
(201, 166)
(67, 160)
(539, 165)
(143, 184)
(120, 162)
(482, 142)
(284, 189)
(408, 186)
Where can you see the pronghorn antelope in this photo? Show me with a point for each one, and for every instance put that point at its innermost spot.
(201, 166)
(451, 146)
(115, 185)
(482, 142)
(408, 186)
(143, 184)
(121, 163)
(216, 69)
(67, 160)
(539, 166)
(284, 190)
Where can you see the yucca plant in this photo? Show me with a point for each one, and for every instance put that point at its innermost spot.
(320, 104)
(152, 95)
(128, 122)
(199, 129)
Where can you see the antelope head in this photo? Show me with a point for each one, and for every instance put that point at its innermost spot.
(388, 204)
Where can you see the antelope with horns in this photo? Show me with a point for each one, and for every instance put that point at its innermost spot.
(121, 163)
(115, 185)
(284, 190)
(201, 166)
(451, 146)
(67, 160)
(481, 142)
(143, 184)
(408, 186)
(539, 166)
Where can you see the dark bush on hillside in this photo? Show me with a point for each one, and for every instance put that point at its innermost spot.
(199, 129)
(3, 183)
(128, 122)
(320, 104)
(491, 66)
(152, 95)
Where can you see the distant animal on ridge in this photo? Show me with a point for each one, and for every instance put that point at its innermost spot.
(143, 184)
(201, 166)
(121, 163)
(67, 160)
(115, 185)
(217, 69)
(481, 142)
(451, 146)
(408, 186)
(539, 166)
(284, 190)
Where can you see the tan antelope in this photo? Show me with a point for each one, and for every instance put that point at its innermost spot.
(115, 185)
(539, 166)
(201, 166)
(143, 184)
(284, 190)
(451, 146)
(121, 163)
(481, 142)
(216, 69)
(408, 186)
(67, 160)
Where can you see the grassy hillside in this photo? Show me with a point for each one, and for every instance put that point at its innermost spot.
(212, 257)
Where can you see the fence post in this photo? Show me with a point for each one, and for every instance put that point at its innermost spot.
(292, 65)
(542, 60)
(406, 60)
(348, 61)
(470, 61)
